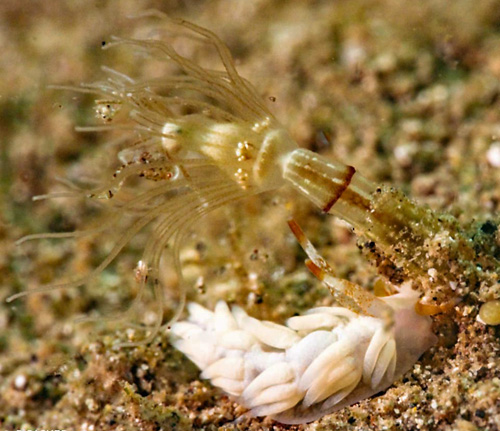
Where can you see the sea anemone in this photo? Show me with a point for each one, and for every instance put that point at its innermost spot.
(199, 139)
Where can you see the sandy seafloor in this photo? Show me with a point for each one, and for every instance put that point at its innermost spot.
(407, 92)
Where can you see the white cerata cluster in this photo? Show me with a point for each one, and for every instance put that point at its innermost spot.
(319, 362)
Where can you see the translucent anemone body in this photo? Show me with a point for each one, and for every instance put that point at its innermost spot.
(196, 140)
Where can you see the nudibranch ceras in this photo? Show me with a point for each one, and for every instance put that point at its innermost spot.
(319, 362)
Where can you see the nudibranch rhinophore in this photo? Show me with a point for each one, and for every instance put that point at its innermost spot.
(324, 360)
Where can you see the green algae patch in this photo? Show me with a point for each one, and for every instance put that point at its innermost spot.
(168, 418)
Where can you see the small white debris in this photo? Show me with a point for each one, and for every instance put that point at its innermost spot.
(432, 272)
(87, 427)
(353, 54)
(21, 382)
(405, 153)
(493, 154)
(91, 404)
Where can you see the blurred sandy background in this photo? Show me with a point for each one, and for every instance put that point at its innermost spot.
(408, 92)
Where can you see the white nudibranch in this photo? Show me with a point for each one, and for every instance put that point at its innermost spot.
(324, 360)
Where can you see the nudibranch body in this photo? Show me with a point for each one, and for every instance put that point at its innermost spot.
(319, 362)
